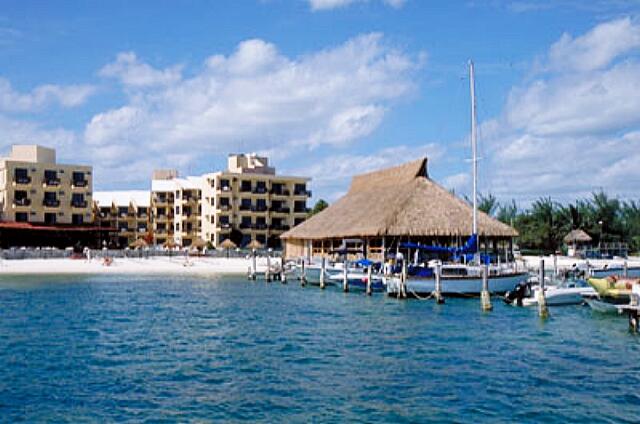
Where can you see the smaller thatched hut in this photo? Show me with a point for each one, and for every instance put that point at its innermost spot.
(576, 240)
(391, 206)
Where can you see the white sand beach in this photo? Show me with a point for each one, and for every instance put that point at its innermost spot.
(153, 265)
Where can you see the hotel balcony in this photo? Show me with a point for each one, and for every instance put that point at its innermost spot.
(161, 218)
(259, 190)
(306, 193)
(260, 227)
(51, 203)
(245, 225)
(160, 201)
(279, 227)
(79, 204)
(190, 200)
(51, 182)
(223, 225)
(224, 188)
(260, 208)
(283, 192)
(191, 217)
(21, 202)
(21, 181)
(301, 210)
(246, 207)
(160, 231)
(224, 207)
(281, 210)
(79, 183)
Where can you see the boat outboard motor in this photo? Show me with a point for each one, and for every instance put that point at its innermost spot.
(518, 293)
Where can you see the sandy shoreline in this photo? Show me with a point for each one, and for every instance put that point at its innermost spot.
(154, 265)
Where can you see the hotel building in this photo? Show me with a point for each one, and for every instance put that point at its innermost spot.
(248, 201)
(125, 213)
(36, 189)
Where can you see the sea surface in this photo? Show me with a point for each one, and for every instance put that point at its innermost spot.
(187, 349)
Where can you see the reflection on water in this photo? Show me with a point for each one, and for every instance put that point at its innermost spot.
(113, 348)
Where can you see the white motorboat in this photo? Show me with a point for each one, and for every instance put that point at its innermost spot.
(566, 293)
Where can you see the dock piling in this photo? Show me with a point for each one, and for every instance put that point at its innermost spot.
(267, 273)
(369, 274)
(303, 277)
(323, 273)
(345, 278)
(437, 294)
(543, 311)
(625, 269)
(485, 296)
(283, 273)
(402, 292)
(254, 264)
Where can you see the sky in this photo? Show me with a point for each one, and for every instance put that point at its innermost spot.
(331, 88)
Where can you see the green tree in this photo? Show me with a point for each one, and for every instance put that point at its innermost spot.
(320, 205)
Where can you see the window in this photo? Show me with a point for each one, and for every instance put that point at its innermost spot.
(245, 204)
(224, 201)
(77, 200)
(21, 176)
(50, 199)
(224, 219)
(245, 185)
(20, 198)
(78, 179)
(22, 217)
(224, 184)
(161, 226)
(50, 218)
(77, 219)
(186, 211)
(123, 210)
(50, 176)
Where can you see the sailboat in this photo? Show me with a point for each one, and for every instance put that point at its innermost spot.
(460, 278)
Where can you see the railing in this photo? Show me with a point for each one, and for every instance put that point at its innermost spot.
(22, 180)
(223, 225)
(283, 192)
(301, 210)
(51, 203)
(51, 182)
(79, 183)
(224, 207)
(224, 188)
(245, 207)
(260, 226)
(98, 254)
(245, 189)
(22, 202)
(79, 204)
(280, 227)
(281, 210)
(302, 193)
(260, 190)
(260, 208)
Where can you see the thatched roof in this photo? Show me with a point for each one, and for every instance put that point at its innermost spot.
(398, 201)
(138, 243)
(255, 244)
(577, 236)
(228, 244)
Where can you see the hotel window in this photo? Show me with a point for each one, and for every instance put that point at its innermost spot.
(224, 184)
(20, 198)
(77, 200)
(21, 175)
(77, 219)
(246, 222)
(123, 210)
(50, 199)
(224, 219)
(50, 218)
(51, 176)
(78, 179)
(161, 211)
(261, 187)
(245, 204)
(245, 186)
(186, 211)
(261, 205)
(22, 217)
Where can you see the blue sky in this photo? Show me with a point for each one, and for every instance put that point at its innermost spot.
(331, 88)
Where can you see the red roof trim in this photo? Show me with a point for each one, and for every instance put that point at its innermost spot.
(30, 226)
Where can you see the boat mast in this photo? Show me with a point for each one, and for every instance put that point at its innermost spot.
(474, 153)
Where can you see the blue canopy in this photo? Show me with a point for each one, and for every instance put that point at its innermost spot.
(470, 247)
(364, 262)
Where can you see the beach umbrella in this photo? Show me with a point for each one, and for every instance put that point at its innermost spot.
(138, 244)
(170, 243)
(228, 244)
(255, 244)
(199, 244)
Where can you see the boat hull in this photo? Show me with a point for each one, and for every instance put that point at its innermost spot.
(454, 286)
(561, 296)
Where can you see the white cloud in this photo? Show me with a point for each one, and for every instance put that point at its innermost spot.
(25, 132)
(41, 96)
(572, 128)
(131, 72)
(255, 96)
(333, 172)
(595, 49)
(457, 182)
(334, 4)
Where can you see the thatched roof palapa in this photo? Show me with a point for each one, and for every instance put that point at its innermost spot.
(398, 201)
(577, 236)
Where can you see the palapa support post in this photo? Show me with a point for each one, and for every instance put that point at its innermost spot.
(303, 277)
(369, 275)
(543, 311)
(283, 273)
(323, 273)
(437, 294)
(345, 276)
(267, 273)
(485, 296)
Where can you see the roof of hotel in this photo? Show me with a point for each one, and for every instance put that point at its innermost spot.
(122, 198)
(188, 183)
(398, 201)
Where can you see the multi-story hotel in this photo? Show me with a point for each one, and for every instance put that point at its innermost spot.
(125, 213)
(246, 202)
(176, 208)
(36, 189)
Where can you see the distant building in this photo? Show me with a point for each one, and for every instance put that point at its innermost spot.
(125, 213)
(248, 201)
(39, 194)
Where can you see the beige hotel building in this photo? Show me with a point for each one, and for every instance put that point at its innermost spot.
(35, 189)
(248, 201)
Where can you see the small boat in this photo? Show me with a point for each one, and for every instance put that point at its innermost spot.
(358, 280)
(566, 293)
(611, 292)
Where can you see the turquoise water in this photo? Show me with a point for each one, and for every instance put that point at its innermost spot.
(108, 348)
